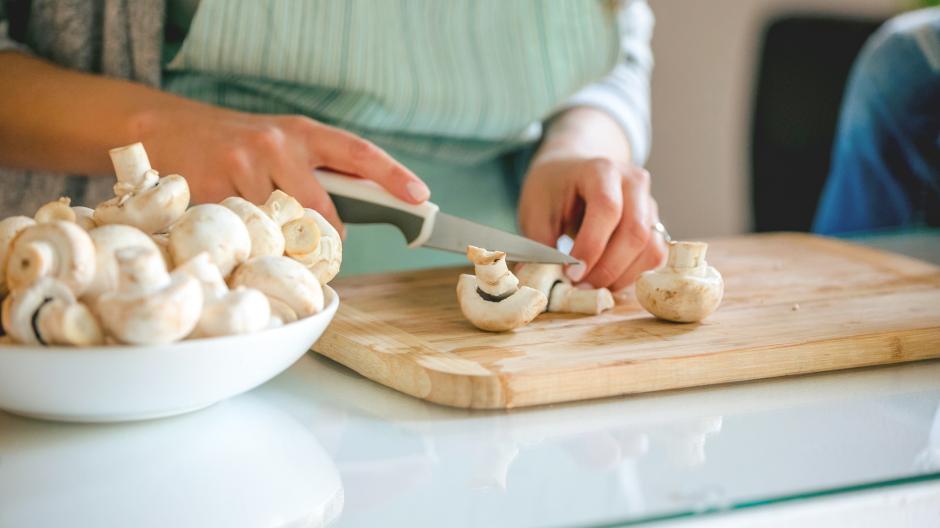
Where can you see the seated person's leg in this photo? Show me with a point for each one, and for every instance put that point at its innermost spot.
(886, 159)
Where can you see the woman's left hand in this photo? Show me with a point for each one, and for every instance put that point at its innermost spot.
(573, 187)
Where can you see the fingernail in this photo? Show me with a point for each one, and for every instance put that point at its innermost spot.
(575, 272)
(418, 191)
(584, 286)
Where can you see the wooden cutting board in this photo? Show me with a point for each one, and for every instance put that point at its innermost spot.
(794, 304)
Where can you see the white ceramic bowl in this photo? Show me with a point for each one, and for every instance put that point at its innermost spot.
(122, 383)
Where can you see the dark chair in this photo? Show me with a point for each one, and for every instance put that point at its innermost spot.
(804, 64)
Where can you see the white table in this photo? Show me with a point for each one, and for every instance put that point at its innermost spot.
(321, 444)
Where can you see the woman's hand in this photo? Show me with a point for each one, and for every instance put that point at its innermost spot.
(224, 153)
(581, 183)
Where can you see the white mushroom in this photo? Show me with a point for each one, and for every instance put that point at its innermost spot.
(85, 217)
(47, 313)
(265, 233)
(150, 305)
(686, 289)
(293, 291)
(214, 229)
(9, 228)
(492, 299)
(142, 198)
(55, 210)
(108, 240)
(225, 312)
(316, 244)
(162, 240)
(58, 249)
(562, 296)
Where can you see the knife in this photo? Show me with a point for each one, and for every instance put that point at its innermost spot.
(360, 201)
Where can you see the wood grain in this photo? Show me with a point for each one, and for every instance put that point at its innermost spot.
(794, 304)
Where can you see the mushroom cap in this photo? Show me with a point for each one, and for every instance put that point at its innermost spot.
(150, 209)
(162, 240)
(211, 228)
(58, 249)
(202, 269)
(315, 243)
(282, 279)
(84, 217)
(108, 240)
(143, 314)
(282, 207)
(240, 311)
(512, 312)
(9, 228)
(680, 297)
(55, 210)
(22, 305)
(265, 233)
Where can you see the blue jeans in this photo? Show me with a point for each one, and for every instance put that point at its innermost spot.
(886, 159)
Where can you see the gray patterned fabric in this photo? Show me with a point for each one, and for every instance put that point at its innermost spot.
(117, 38)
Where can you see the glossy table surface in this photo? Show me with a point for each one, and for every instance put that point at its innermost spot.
(321, 445)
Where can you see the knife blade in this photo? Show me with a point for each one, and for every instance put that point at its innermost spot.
(360, 201)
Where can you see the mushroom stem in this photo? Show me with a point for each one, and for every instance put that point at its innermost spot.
(62, 323)
(139, 271)
(492, 274)
(282, 207)
(568, 299)
(131, 166)
(686, 255)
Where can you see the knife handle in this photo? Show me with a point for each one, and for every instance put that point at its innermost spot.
(360, 201)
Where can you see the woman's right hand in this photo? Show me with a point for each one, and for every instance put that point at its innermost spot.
(225, 153)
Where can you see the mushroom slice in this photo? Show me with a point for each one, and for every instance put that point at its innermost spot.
(492, 299)
(515, 310)
(142, 198)
(265, 234)
(56, 210)
(214, 229)
(225, 312)
(58, 249)
(562, 296)
(686, 289)
(108, 240)
(9, 228)
(85, 217)
(47, 313)
(282, 280)
(315, 243)
(150, 305)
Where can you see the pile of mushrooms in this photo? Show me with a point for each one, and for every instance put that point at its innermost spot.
(145, 268)
(496, 300)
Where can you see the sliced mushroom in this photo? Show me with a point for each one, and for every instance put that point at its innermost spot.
(59, 249)
(150, 305)
(265, 233)
(142, 198)
(108, 240)
(225, 312)
(47, 313)
(562, 296)
(56, 210)
(286, 283)
(9, 228)
(315, 243)
(214, 229)
(492, 299)
(686, 289)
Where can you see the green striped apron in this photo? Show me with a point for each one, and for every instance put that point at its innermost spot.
(447, 87)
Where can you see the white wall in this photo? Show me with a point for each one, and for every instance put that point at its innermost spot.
(705, 62)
